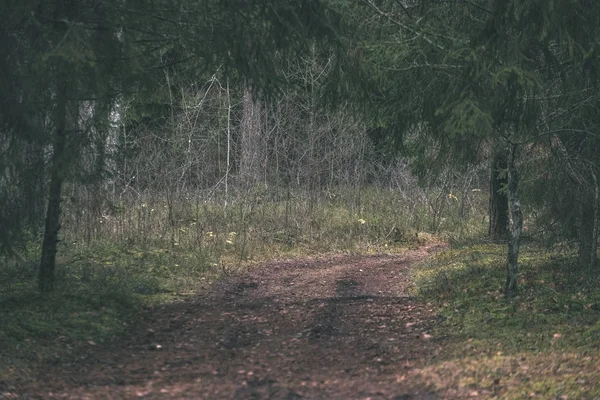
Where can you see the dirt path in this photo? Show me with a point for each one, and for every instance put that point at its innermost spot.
(327, 328)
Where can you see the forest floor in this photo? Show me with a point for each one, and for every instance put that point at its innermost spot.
(426, 323)
(338, 327)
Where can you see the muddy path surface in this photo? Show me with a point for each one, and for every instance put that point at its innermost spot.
(341, 327)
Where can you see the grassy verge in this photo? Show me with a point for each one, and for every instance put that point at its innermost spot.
(543, 344)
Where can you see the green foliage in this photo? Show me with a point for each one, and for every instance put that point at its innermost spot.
(466, 118)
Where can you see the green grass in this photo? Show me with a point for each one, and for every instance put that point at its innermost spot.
(545, 342)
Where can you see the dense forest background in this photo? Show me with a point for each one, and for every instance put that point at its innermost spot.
(146, 145)
(135, 121)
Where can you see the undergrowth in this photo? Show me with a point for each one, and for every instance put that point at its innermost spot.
(544, 343)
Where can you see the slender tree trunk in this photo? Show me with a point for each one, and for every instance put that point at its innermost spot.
(57, 170)
(516, 225)
(588, 228)
(594, 250)
(228, 160)
(498, 206)
(35, 185)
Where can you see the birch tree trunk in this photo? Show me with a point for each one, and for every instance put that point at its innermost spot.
(228, 157)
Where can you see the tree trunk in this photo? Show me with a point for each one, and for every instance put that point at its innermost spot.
(252, 152)
(498, 206)
(57, 170)
(588, 228)
(228, 159)
(516, 225)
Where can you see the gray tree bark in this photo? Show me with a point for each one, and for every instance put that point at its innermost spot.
(252, 155)
(516, 225)
(588, 227)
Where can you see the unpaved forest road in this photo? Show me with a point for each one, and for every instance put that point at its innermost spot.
(327, 328)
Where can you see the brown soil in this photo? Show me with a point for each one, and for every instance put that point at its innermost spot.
(339, 327)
